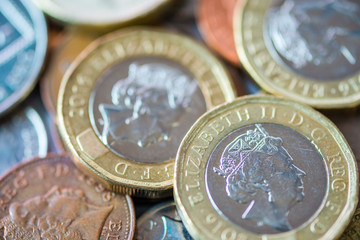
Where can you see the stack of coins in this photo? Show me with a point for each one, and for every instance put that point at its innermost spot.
(171, 119)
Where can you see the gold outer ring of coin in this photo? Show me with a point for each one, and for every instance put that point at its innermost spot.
(249, 22)
(53, 9)
(120, 174)
(352, 232)
(202, 219)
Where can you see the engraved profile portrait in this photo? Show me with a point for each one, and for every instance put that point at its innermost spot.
(260, 173)
(146, 105)
(316, 32)
(61, 213)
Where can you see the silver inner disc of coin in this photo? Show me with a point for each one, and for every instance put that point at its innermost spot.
(266, 178)
(315, 39)
(142, 107)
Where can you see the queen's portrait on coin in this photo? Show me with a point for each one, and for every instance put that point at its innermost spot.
(316, 32)
(146, 105)
(260, 172)
(61, 213)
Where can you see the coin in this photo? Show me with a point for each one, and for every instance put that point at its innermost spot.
(126, 104)
(68, 48)
(348, 122)
(104, 14)
(215, 21)
(352, 232)
(50, 198)
(23, 42)
(161, 222)
(304, 50)
(265, 167)
(23, 136)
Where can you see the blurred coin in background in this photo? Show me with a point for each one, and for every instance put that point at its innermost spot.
(215, 21)
(305, 50)
(161, 222)
(23, 135)
(104, 14)
(73, 41)
(23, 43)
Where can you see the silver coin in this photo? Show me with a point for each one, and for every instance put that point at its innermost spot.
(316, 39)
(266, 178)
(22, 136)
(23, 43)
(162, 222)
(142, 107)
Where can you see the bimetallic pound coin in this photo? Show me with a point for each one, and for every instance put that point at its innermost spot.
(70, 46)
(265, 168)
(22, 136)
(103, 14)
(50, 198)
(305, 50)
(352, 232)
(215, 21)
(129, 100)
(348, 123)
(23, 43)
(162, 222)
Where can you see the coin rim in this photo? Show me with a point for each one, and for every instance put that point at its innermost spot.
(41, 42)
(158, 187)
(55, 11)
(353, 175)
(48, 157)
(269, 84)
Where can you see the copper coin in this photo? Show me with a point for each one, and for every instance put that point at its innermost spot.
(50, 198)
(215, 24)
(67, 48)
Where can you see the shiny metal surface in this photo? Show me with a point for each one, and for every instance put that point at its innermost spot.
(264, 165)
(162, 222)
(22, 136)
(142, 107)
(23, 41)
(266, 174)
(316, 39)
(100, 13)
(51, 199)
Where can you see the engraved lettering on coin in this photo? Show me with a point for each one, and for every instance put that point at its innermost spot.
(61, 213)
(146, 109)
(317, 39)
(265, 177)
